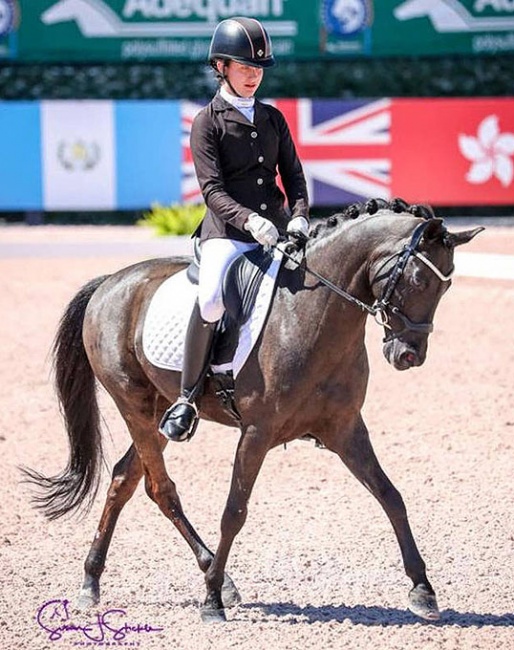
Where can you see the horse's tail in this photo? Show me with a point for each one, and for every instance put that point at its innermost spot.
(76, 486)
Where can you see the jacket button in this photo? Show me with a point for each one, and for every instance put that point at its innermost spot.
(260, 158)
(260, 181)
(253, 134)
(264, 206)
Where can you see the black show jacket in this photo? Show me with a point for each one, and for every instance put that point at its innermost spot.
(236, 163)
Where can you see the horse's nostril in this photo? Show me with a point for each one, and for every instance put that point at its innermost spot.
(409, 357)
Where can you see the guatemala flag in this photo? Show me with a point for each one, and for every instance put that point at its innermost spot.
(89, 155)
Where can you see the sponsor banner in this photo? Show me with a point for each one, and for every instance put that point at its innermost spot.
(125, 30)
(20, 161)
(155, 29)
(78, 155)
(346, 27)
(444, 152)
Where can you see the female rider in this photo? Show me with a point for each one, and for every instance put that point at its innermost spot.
(238, 146)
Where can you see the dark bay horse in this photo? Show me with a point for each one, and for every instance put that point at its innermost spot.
(307, 374)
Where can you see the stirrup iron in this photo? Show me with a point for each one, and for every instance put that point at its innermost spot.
(180, 421)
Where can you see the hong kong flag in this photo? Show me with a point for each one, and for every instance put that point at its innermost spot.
(453, 151)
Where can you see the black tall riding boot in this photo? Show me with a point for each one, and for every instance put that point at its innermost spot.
(181, 419)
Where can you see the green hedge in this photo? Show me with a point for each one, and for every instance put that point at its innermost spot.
(416, 77)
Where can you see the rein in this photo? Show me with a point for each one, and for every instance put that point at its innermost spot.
(379, 309)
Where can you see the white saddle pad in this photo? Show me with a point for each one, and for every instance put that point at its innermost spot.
(166, 321)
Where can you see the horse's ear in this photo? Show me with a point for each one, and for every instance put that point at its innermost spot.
(434, 230)
(458, 238)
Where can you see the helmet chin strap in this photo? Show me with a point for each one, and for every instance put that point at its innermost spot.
(226, 79)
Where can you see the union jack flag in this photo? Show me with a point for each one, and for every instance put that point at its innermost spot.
(189, 185)
(344, 146)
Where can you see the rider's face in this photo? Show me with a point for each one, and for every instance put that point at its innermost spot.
(244, 79)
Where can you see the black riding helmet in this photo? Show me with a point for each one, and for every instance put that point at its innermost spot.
(243, 40)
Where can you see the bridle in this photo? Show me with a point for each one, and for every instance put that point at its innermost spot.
(382, 308)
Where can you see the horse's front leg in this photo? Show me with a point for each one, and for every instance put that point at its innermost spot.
(355, 450)
(250, 454)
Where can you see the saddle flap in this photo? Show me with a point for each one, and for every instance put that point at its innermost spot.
(193, 270)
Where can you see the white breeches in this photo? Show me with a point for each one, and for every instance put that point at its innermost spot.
(216, 256)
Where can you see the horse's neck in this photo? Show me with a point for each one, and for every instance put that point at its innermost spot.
(348, 255)
(343, 256)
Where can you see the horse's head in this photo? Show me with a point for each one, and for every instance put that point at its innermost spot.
(408, 281)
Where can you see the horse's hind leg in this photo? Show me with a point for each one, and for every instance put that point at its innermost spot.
(356, 452)
(125, 477)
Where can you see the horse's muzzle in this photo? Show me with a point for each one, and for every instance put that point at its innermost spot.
(401, 355)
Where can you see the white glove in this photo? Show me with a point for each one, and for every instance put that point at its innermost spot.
(262, 230)
(298, 225)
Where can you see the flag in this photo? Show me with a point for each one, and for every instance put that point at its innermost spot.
(344, 146)
(103, 155)
(190, 190)
(148, 153)
(454, 151)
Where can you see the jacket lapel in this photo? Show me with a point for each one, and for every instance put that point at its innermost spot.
(261, 115)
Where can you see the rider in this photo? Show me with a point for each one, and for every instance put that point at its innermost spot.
(238, 146)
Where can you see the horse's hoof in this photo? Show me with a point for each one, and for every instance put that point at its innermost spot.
(423, 603)
(210, 615)
(229, 593)
(87, 598)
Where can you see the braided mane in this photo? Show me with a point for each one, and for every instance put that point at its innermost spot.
(356, 210)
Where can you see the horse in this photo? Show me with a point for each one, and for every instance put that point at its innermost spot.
(306, 377)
